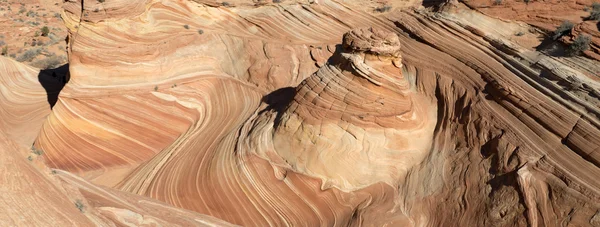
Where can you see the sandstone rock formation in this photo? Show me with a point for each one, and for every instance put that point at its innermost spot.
(317, 113)
(35, 195)
(353, 123)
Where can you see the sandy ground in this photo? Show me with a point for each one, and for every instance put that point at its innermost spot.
(22, 34)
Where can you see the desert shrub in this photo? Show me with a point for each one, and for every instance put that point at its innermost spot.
(2, 43)
(28, 55)
(40, 43)
(22, 10)
(4, 50)
(101, 1)
(595, 14)
(596, 6)
(57, 15)
(45, 30)
(527, 1)
(580, 44)
(36, 151)
(54, 39)
(49, 62)
(79, 205)
(276, 1)
(563, 29)
(519, 34)
(383, 9)
(200, 31)
(31, 13)
(186, 26)
(497, 2)
(226, 4)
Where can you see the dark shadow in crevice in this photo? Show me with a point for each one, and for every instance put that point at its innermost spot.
(278, 101)
(551, 47)
(53, 81)
(433, 4)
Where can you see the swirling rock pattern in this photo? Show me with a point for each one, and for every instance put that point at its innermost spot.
(34, 195)
(354, 122)
(304, 114)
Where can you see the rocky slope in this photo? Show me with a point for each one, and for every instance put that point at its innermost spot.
(317, 113)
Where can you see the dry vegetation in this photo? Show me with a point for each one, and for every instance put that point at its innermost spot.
(33, 33)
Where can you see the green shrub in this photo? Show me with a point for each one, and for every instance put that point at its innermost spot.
(45, 30)
(563, 29)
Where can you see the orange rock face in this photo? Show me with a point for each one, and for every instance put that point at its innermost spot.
(316, 113)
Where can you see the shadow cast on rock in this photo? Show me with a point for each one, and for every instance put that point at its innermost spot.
(53, 81)
(551, 47)
(278, 101)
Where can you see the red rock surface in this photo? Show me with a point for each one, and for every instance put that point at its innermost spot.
(317, 113)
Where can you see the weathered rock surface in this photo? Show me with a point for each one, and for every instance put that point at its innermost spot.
(35, 195)
(304, 114)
